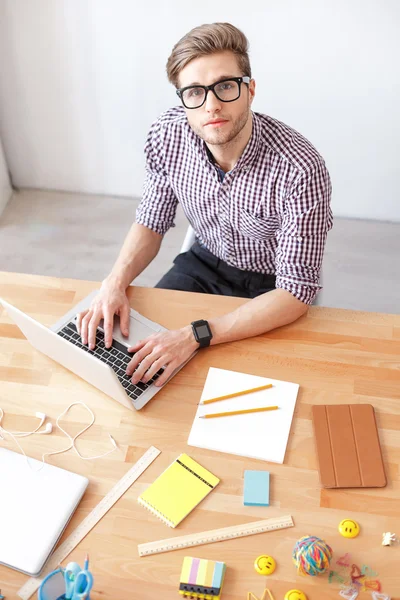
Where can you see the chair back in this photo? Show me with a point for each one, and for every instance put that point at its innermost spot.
(189, 240)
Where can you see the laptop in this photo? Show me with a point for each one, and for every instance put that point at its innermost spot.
(104, 368)
(36, 506)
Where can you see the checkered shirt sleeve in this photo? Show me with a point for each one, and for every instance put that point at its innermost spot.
(157, 208)
(302, 236)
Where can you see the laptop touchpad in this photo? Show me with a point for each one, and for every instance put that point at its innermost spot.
(137, 330)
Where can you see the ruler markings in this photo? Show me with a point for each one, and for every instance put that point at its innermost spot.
(30, 587)
(215, 535)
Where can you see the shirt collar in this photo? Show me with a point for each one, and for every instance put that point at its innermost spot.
(249, 153)
(251, 150)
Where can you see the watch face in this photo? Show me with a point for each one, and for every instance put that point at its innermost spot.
(202, 331)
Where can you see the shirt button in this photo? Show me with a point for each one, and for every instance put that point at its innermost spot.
(299, 238)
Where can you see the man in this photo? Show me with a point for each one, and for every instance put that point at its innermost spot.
(255, 191)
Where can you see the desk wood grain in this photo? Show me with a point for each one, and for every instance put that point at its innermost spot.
(337, 356)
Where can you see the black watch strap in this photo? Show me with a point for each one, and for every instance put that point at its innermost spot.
(202, 333)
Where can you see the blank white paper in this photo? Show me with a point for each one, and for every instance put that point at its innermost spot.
(261, 435)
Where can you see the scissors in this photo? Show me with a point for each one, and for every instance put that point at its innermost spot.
(78, 582)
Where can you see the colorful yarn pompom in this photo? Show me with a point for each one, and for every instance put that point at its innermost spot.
(312, 556)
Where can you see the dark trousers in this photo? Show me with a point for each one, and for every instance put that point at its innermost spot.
(200, 271)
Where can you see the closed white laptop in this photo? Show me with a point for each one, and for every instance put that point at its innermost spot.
(35, 507)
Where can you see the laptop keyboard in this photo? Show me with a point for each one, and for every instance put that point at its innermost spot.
(117, 357)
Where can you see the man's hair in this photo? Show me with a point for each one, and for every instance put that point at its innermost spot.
(205, 40)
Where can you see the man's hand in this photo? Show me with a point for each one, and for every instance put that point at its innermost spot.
(110, 301)
(168, 349)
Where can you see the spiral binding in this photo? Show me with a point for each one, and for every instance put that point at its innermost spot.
(156, 512)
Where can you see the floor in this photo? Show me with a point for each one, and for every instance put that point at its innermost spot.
(79, 236)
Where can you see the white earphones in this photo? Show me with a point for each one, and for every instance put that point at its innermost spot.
(39, 415)
(49, 429)
(73, 439)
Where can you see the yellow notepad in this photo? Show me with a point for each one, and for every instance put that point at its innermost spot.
(178, 490)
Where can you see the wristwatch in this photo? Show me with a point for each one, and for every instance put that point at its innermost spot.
(202, 333)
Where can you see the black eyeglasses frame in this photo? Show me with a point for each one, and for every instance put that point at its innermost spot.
(207, 88)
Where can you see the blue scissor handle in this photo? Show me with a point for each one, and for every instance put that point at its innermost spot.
(70, 574)
(83, 585)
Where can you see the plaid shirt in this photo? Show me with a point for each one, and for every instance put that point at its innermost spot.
(270, 214)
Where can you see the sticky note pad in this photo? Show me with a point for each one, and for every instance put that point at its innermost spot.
(178, 490)
(201, 578)
(256, 488)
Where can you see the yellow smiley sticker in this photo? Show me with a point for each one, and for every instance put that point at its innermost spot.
(295, 595)
(349, 528)
(265, 565)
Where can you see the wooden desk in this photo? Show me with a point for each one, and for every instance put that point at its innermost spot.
(335, 355)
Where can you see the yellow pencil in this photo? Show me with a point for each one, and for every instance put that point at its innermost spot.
(234, 394)
(239, 412)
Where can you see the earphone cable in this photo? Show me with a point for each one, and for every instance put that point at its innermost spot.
(72, 439)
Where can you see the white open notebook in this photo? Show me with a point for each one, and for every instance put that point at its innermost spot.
(262, 435)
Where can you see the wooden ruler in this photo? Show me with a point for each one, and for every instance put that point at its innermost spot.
(215, 535)
(30, 587)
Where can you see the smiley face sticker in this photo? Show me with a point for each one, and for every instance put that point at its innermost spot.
(349, 528)
(265, 565)
(295, 595)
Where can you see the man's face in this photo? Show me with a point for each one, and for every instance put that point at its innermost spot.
(217, 122)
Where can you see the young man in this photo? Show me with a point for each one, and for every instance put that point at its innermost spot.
(255, 191)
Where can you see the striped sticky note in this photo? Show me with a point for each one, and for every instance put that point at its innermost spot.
(201, 578)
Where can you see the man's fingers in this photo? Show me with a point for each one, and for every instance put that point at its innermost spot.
(79, 318)
(140, 344)
(145, 364)
(84, 326)
(152, 370)
(166, 375)
(124, 319)
(137, 357)
(142, 368)
(108, 327)
(92, 329)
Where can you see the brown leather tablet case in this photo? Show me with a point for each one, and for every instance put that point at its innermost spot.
(348, 448)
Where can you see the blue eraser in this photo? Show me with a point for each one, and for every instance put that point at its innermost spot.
(256, 488)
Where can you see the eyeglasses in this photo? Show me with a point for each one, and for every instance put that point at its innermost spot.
(227, 90)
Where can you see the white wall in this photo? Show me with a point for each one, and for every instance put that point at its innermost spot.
(5, 188)
(82, 80)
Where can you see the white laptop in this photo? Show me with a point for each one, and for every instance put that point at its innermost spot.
(35, 507)
(103, 368)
